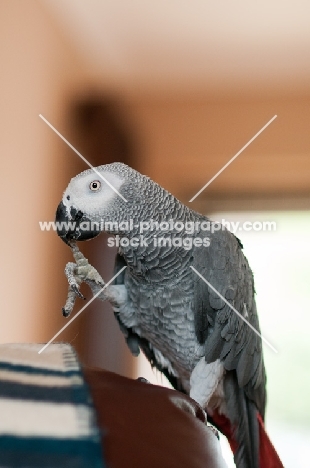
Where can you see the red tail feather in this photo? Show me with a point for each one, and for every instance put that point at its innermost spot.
(268, 457)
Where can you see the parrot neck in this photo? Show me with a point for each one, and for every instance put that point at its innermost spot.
(155, 245)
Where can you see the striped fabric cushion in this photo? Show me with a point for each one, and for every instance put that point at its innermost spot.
(46, 415)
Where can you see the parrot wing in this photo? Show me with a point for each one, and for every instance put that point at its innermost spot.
(229, 338)
(227, 335)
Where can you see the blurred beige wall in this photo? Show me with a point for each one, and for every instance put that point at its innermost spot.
(39, 73)
(188, 140)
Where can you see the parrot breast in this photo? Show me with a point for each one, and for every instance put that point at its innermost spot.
(164, 317)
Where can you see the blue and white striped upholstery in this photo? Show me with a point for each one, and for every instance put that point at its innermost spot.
(46, 415)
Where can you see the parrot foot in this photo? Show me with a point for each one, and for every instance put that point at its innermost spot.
(143, 379)
(77, 273)
(214, 430)
(73, 279)
(84, 271)
(73, 291)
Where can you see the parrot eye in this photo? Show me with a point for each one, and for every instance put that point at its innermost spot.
(95, 185)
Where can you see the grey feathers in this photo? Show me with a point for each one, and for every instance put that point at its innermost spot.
(170, 313)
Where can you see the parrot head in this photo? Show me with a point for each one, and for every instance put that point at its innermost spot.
(89, 201)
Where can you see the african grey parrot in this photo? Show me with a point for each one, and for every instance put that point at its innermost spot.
(162, 303)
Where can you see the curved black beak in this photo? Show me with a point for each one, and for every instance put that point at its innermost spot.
(76, 226)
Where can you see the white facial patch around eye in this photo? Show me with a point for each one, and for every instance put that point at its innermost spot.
(87, 200)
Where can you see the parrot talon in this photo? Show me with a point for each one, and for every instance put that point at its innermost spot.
(143, 379)
(215, 431)
(76, 290)
(65, 312)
